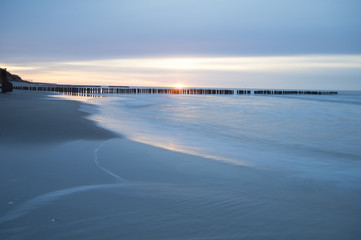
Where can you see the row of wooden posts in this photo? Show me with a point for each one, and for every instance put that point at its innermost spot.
(279, 92)
(127, 90)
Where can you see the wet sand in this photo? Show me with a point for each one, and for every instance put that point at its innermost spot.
(31, 117)
(62, 177)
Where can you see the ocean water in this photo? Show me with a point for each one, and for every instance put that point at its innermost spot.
(311, 137)
(271, 167)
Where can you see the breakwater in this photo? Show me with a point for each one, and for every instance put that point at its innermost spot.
(131, 90)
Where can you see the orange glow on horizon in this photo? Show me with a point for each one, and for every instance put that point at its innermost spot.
(178, 85)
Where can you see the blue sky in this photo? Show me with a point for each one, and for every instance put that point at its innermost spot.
(41, 37)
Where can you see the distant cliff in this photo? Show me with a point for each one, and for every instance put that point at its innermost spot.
(13, 77)
(6, 85)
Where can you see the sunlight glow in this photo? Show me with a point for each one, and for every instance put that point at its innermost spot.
(178, 85)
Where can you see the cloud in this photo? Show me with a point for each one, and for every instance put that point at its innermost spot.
(300, 71)
(110, 29)
(267, 63)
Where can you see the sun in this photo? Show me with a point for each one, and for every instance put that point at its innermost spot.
(178, 85)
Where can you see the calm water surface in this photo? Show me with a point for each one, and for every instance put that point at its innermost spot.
(277, 167)
(310, 136)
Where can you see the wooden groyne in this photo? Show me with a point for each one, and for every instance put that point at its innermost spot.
(84, 90)
(293, 92)
(127, 90)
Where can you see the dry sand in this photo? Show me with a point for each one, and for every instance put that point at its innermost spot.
(61, 177)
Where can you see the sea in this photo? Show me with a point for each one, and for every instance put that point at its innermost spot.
(308, 136)
(266, 167)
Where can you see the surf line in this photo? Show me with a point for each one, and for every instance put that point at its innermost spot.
(35, 203)
(96, 161)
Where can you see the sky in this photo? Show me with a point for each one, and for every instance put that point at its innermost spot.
(309, 44)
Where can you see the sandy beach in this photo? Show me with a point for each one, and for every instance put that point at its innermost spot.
(63, 177)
